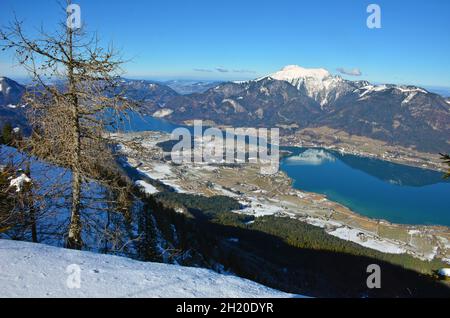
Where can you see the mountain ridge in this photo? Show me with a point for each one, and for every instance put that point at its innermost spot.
(295, 98)
(398, 114)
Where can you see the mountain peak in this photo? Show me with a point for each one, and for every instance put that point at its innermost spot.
(291, 72)
(317, 83)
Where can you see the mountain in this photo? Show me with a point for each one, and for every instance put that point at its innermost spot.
(10, 92)
(318, 84)
(186, 87)
(293, 98)
(11, 109)
(403, 115)
(298, 98)
(254, 103)
(147, 91)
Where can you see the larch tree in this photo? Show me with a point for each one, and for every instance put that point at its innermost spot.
(75, 99)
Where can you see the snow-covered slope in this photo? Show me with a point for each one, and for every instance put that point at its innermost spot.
(35, 270)
(10, 92)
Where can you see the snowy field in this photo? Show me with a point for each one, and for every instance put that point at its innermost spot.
(35, 270)
(375, 243)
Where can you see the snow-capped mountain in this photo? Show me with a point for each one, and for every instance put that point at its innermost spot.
(298, 98)
(325, 88)
(10, 92)
(316, 83)
(12, 111)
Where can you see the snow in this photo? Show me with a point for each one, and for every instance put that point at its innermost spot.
(444, 272)
(146, 187)
(372, 88)
(322, 223)
(318, 83)
(163, 173)
(375, 243)
(407, 89)
(19, 181)
(256, 207)
(36, 270)
(409, 98)
(162, 113)
(291, 72)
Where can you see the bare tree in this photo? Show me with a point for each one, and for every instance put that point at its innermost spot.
(75, 99)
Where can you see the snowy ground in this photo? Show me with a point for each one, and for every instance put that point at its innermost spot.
(369, 241)
(146, 187)
(35, 270)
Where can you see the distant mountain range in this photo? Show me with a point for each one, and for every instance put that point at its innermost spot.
(185, 87)
(293, 98)
(300, 98)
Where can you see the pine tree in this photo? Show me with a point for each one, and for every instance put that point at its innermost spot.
(7, 134)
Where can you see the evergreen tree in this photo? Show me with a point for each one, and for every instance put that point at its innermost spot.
(446, 159)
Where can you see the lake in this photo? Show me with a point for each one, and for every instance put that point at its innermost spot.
(371, 187)
(374, 188)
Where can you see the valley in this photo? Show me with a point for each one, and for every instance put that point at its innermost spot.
(225, 150)
(274, 195)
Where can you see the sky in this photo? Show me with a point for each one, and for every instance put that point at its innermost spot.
(245, 39)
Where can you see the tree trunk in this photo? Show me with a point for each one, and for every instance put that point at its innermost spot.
(30, 206)
(74, 240)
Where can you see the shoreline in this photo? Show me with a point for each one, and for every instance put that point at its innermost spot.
(328, 138)
(275, 195)
(336, 140)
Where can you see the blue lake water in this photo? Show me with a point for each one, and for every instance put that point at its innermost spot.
(370, 187)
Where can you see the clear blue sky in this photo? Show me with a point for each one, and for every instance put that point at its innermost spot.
(246, 39)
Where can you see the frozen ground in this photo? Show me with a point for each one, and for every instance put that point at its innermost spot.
(369, 241)
(146, 187)
(35, 270)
